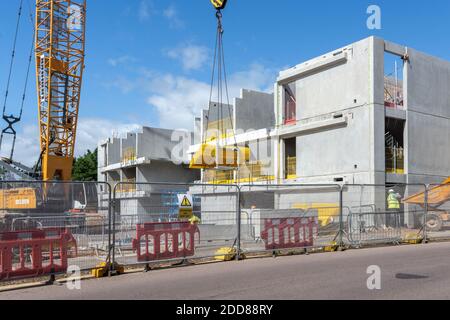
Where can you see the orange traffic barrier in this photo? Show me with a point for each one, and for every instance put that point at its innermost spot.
(34, 252)
(164, 240)
(284, 233)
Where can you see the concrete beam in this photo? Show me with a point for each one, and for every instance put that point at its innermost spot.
(313, 67)
(394, 48)
(296, 130)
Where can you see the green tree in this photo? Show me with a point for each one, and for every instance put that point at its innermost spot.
(85, 167)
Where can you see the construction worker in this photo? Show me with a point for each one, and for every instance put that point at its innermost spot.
(393, 201)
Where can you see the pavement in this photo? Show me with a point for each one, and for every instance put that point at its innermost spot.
(407, 272)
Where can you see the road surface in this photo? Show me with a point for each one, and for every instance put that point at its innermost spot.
(407, 272)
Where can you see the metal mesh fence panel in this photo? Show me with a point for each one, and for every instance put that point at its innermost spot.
(148, 226)
(381, 214)
(65, 223)
(279, 217)
(74, 223)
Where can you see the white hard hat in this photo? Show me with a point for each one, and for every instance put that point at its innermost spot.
(391, 190)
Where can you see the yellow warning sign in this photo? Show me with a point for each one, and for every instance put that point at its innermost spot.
(185, 206)
(185, 202)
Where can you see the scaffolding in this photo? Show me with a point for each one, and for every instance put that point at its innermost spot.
(395, 160)
(393, 93)
(291, 168)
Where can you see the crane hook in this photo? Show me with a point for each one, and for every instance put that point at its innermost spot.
(219, 4)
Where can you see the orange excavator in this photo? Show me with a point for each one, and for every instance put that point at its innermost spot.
(438, 202)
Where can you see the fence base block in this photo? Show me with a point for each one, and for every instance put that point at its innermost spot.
(104, 269)
(413, 238)
(331, 248)
(225, 254)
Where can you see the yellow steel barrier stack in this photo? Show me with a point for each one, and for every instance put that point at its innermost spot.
(210, 156)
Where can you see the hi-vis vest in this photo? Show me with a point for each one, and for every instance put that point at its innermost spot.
(393, 203)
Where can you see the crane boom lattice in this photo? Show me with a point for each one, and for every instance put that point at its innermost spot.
(60, 50)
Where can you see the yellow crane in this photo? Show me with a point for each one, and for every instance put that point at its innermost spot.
(59, 55)
(59, 49)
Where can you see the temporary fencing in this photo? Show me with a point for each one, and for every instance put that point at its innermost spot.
(380, 213)
(169, 221)
(45, 222)
(289, 216)
(46, 227)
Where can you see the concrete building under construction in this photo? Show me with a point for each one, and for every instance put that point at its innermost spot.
(141, 157)
(343, 118)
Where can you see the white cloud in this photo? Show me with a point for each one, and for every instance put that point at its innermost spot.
(171, 13)
(179, 99)
(89, 132)
(192, 57)
(257, 77)
(126, 59)
(123, 84)
(144, 11)
(27, 147)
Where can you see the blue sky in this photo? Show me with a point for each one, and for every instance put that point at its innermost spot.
(148, 61)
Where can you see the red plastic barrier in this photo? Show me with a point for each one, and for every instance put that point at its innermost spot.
(284, 233)
(164, 240)
(34, 252)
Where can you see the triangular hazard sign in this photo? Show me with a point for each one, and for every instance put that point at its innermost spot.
(186, 202)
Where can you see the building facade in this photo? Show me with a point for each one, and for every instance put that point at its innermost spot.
(344, 117)
(372, 112)
(131, 163)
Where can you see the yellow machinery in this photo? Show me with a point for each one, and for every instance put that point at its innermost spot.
(18, 198)
(436, 198)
